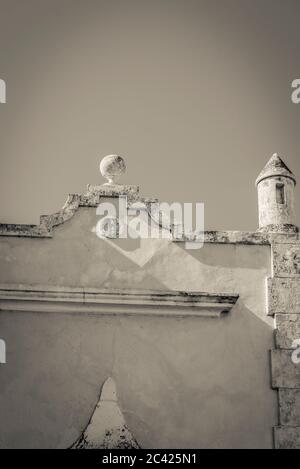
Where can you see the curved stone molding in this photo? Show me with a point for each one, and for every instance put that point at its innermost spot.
(90, 300)
(107, 428)
(92, 198)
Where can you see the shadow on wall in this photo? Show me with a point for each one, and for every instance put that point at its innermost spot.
(232, 255)
(182, 382)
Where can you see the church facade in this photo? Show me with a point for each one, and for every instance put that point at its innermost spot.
(127, 343)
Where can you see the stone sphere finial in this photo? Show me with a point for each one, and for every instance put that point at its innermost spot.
(112, 167)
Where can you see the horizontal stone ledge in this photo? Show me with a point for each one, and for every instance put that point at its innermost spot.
(228, 237)
(243, 237)
(285, 372)
(45, 230)
(38, 298)
(289, 407)
(287, 330)
(283, 296)
(287, 437)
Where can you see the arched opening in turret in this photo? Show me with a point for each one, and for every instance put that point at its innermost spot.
(280, 193)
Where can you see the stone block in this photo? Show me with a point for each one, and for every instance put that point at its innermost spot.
(286, 260)
(287, 330)
(287, 437)
(285, 373)
(283, 295)
(289, 407)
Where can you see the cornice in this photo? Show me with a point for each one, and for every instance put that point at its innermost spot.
(47, 299)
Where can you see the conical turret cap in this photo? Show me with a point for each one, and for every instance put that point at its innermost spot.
(275, 167)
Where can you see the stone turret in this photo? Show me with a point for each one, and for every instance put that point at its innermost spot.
(276, 188)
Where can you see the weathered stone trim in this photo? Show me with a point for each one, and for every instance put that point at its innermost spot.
(229, 237)
(242, 237)
(287, 437)
(289, 407)
(283, 295)
(93, 197)
(284, 304)
(285, 373)
(286, 259)
(287, 330)
(91, 300)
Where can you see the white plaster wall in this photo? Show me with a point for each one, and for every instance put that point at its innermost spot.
(182, 382)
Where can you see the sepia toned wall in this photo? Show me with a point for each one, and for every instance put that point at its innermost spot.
(191, 382)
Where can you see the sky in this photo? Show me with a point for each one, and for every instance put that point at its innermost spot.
(194, 94)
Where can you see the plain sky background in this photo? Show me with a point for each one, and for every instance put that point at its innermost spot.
(195, 94)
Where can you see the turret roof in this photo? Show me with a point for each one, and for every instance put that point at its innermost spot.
(275, 167)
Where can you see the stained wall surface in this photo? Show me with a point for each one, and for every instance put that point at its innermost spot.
(182, 382)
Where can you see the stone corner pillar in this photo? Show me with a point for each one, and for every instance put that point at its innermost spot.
(284, 306)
